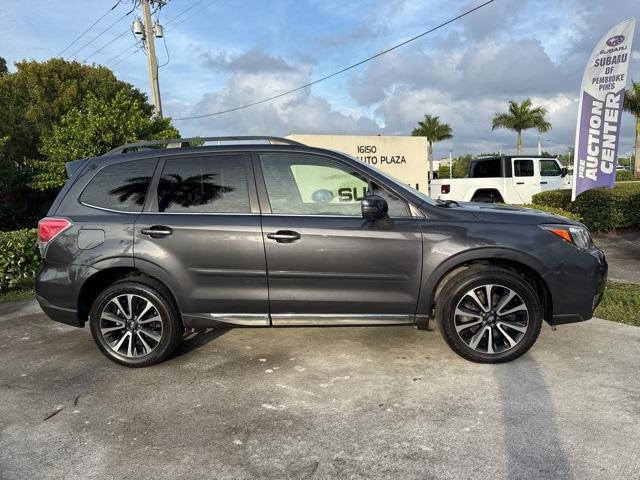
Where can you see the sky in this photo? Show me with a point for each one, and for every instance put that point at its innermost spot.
(222, 54)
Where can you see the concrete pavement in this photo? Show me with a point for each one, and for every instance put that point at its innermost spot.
(369, 402)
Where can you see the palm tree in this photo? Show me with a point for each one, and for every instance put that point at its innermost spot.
(632, 105)
(435, 131)
(521, 117)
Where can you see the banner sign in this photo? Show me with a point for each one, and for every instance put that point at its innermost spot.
(600, 111)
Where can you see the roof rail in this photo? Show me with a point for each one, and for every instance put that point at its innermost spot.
(187, 142)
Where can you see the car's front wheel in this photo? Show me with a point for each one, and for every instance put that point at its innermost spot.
(489, 314)
(135, 324)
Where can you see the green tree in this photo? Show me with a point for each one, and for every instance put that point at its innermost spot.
(94, 130)
(3, 66)
(632, 105)
(435, 131)
(522, 116)
(36, 96)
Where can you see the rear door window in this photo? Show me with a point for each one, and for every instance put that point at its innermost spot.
(204, 184)
(121, 186)
(523, 168)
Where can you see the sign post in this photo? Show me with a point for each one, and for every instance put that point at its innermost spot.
(600, 110)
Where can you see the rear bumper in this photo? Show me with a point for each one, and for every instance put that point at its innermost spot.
(577, 285)
(57, 288)
(60, 314)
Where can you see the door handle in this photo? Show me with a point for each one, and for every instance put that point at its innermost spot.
(157, 231)
(543, 183)
(519, 183)
(284, 236)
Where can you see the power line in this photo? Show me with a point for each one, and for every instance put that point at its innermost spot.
(183, 12)
(326, 77)
(87, 30)
(120, 54)
(106, 45)
(103, 32)
(127, 56)
(170, 29)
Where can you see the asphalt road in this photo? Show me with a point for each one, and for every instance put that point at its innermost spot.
(377, 402)
(622, 249)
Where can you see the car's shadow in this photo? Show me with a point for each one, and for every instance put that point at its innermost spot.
(196, 339)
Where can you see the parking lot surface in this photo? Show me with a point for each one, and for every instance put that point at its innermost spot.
(368, 402)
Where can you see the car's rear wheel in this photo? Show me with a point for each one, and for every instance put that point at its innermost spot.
(135, 324)
(489, 314)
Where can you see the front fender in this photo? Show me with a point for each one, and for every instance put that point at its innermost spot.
(432, 276)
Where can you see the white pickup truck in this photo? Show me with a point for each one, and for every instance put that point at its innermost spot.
(508, 179)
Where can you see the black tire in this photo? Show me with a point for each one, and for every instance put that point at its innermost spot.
(501, 281)
(170, 326)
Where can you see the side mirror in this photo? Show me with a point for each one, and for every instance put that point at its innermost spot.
(374, 207)
(564, 172)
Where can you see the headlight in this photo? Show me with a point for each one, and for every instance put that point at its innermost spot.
(578, 236)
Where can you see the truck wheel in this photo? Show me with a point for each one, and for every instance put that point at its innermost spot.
(489, 314)
(134, 324)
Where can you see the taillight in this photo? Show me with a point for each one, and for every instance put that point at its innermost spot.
(49, 228)
(445, 188)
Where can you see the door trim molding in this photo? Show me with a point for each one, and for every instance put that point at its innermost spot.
(296, 319)
(206, 320)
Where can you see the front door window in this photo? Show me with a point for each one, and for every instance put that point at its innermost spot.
(309, 185)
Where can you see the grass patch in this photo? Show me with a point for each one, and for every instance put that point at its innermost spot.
(18, 294)
(620, 303)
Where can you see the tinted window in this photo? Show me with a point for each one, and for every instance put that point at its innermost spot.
(550, 168)
(213, 184)
(122, 186)
(486, 168)
(523, 168)
(307, 185)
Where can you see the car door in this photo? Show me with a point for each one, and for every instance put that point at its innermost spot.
(201, 231)
(551, 177)
(325, 263)
(525, 178)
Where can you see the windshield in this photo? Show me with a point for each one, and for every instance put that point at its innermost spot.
(399, 183)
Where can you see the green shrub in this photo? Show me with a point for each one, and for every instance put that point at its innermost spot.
(601, 208)
(19, 258)
(443, 171)
(555, 211)
(623, 176)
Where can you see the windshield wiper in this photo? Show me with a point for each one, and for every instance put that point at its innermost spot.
(447, 203)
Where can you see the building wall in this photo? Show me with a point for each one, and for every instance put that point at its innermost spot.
(403, 157)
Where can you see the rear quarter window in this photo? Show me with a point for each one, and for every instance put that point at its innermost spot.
(121, 186)
(486, 168)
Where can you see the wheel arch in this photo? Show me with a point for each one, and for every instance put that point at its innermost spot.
(531, 269)
(104, 277)
(488, 191)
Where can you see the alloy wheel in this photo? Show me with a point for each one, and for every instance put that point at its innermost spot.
(131, 325)
(491, 319)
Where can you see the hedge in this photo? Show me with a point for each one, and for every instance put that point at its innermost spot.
(601, 208)
(554, 210)
(624, 176)
(19, 258)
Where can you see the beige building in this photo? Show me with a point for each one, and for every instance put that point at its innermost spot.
(403, 157)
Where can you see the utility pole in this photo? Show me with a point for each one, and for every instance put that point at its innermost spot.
(148, 38)
(450, 164)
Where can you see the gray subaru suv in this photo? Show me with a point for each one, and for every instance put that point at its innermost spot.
(145, 242)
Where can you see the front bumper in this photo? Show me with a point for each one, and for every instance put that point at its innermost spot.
(577, 284)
